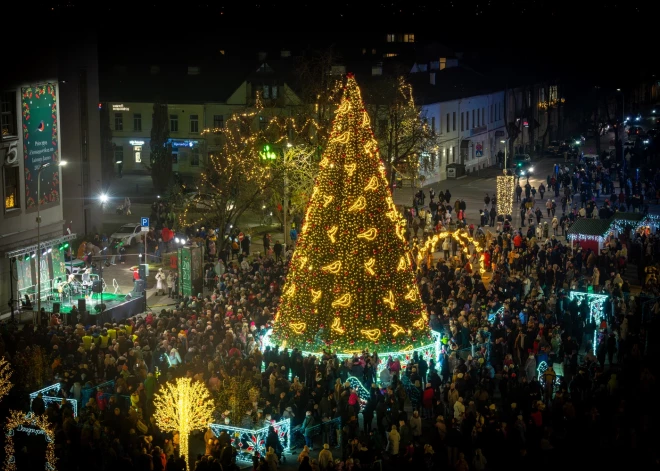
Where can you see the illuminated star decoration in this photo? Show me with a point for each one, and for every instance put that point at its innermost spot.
(353, 239)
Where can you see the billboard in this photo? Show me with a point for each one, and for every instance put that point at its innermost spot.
(40, 143)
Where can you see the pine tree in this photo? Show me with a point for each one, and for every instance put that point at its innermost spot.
(351, 284)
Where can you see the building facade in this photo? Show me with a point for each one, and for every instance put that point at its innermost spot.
(469, 132)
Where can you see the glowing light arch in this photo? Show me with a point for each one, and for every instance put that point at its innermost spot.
(461, 236)
(19, 420)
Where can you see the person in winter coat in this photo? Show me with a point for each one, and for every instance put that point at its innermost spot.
(393, 438)
(272, 460)
(160, 285)
(427, 401)
(325, 458)
(416, 426)
(170, 284)
(555, 225)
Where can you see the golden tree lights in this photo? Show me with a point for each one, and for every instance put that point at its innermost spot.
(5, 375)
(184, 406)
(352, 276)
(462, 237)
(506, 187)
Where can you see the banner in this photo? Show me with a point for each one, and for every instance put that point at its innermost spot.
(24, 274)
(197, 270)
(185, 275)
(46, 273)
(40, 143)
(59, 269)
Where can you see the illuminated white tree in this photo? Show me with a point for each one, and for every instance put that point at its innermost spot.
(5, 374)
(184, 406)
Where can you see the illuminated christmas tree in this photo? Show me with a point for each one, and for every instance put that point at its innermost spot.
(351, 284)
(183, 406)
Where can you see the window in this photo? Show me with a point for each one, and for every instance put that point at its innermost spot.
(529, 98)
(553, 93)
(432, 124)
(448, 122)
(483, 116)
(541, 95)
(473, 120)
(266, 91)
(174, 123)
(273, 92)
(119, 122)
(137, 122)
(194, 123)
(218, 121)
(119, 154)
(391, 38)
(467, 120)
(194, 157)
(491, 114)
(263, 123)
(137, 152)
(175, 155)
(11, 185)
(478, 123)
(453, 120)
(7, 110)
(408, 38)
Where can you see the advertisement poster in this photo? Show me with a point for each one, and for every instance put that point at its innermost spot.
(185, 275)
(46, 273)
(24, 274)
(40, 143)
(59, 269)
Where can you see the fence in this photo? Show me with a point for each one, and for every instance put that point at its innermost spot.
(250, 441)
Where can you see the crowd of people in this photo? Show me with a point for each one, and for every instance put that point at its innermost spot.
(519, 383)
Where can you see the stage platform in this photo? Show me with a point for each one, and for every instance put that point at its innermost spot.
(117, 307)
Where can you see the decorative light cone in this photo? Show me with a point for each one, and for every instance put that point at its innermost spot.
(351, 284)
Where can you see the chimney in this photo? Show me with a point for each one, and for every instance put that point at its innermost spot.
(432, 78)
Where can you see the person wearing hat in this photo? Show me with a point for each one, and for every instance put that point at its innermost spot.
(325, 458)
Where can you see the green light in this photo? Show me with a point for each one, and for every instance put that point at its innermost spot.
(268, 153)
(27, 257)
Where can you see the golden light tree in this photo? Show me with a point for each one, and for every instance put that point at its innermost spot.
(5, 374)
(236, 397)
(183, 406)
(350, 284)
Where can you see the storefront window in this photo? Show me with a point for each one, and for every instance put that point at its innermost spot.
(11, 186)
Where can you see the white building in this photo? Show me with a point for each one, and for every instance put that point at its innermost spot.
(468, 119)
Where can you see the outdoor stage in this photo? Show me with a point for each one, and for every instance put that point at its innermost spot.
(117, 307)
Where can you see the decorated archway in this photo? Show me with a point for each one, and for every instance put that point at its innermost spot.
(23, 422)
(461, 236)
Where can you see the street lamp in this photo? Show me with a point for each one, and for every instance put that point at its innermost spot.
(61, 163)
(623, 128)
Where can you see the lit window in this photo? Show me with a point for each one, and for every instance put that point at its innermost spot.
(391, 38)
(408, 38)
(137, 151)
(11, 186)
(553, 93)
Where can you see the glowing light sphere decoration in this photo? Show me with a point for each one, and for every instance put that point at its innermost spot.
(506, 188)
(351, 284)
(183, 406)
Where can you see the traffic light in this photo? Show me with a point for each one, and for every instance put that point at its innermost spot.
(268, 153)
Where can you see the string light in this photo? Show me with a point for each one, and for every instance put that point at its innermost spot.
(184, 406)
(369, 227)
(247, 442)
(5, 375)
(506, 188)
(19, 420)
(461, 236)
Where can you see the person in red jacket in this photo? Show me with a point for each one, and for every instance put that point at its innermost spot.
(427, 401)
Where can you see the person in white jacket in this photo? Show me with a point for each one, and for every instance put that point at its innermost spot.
(459, 409)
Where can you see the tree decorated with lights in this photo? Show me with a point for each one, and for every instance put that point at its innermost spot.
(351, 284)
(5, 375)
(183, 406)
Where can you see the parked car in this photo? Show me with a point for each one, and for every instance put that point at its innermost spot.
(127, 233)
(554, 147)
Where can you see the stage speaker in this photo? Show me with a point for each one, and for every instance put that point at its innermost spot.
(139, 286)
(82, 306)
(97, 286)
(56, 308)
(100, 307)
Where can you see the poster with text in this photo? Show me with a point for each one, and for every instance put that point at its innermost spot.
(59, 269)
(46, 273)
(185, 275)
(24, 274)
(40, 143)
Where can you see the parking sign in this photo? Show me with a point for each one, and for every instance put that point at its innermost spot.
(144, 222)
